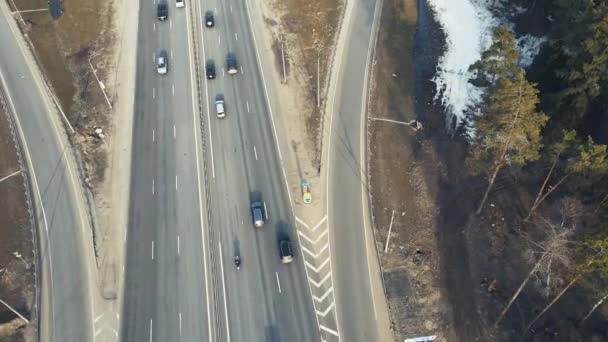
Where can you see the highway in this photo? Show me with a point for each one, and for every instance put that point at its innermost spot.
(166, 291)
(67, 295)
(265, 300)
(187, 221)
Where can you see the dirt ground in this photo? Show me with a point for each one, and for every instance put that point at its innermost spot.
(307, 31)
(17, 268)
(404, 175)
(63, 48)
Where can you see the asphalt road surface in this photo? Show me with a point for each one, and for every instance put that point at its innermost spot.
(166, 279)
(265, 300)
(66, 300)
(354, 257)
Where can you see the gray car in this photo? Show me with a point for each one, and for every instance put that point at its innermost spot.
(258, 212)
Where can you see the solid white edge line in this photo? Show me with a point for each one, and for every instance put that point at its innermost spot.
(198, 173)
(224, 291)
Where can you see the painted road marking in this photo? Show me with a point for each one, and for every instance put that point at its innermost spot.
(152, 249)
(278, 282)
(317, 269)
(173, 89)
(152, 186)
(324, 313)
(180, 323)
(314, 242)
(153, 93)
(154, 27)
(247, 104)
(318, 284)
(230, 8)
(174, 132)
(153, 139)
(219, 40)
(236, 36)
(150, 329)
(331, 331)
(320, 299)
(313, 255)
(178, 248)
(175, 182)
(255, 152)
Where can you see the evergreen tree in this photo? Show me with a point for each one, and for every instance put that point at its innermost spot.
(499, 60)
(509, 131)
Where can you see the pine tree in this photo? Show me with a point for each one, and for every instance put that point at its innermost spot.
(499, 60)
(509, 132)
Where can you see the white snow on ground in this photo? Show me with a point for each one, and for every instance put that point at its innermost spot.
(529, 46)
(468, 26)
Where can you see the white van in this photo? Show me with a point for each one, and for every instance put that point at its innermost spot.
(179, 3)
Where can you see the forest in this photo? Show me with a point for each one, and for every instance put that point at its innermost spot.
(546, 127)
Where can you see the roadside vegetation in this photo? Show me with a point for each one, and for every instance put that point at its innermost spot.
(500, 232)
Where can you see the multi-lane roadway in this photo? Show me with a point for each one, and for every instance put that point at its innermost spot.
(188, 218)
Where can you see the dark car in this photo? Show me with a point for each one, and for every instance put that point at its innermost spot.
(231, 64)
(162, 11)
(258, 213)
(285, 251)
(209, 19)
(210, 69)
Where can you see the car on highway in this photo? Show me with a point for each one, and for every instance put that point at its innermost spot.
(209, 19)
(285, 250)
(179, 3)
(162, 63)
(258, 212)
(210, 69)
(231, 64)
(219, 108)
(162, 11)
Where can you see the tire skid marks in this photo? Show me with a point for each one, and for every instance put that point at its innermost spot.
(315, 250)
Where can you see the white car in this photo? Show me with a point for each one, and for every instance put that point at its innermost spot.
(219, 108)
(162, 64)
(179, 3)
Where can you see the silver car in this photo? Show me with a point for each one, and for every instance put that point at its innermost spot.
(219, 108)
(162, 63)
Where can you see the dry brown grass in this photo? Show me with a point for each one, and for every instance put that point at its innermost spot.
(399, 165)
(17, 282)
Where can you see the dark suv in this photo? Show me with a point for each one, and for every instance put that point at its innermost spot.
(231, 64)
(209, 20)
(258, 213)
(210, 69)
(162, 11)
(285, 251)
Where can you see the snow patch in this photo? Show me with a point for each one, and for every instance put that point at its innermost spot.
(468, 27)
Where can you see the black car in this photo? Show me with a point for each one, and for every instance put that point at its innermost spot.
(231, 64)
(210, 69)
(209, 20)
(285, 251)
(162, 11)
